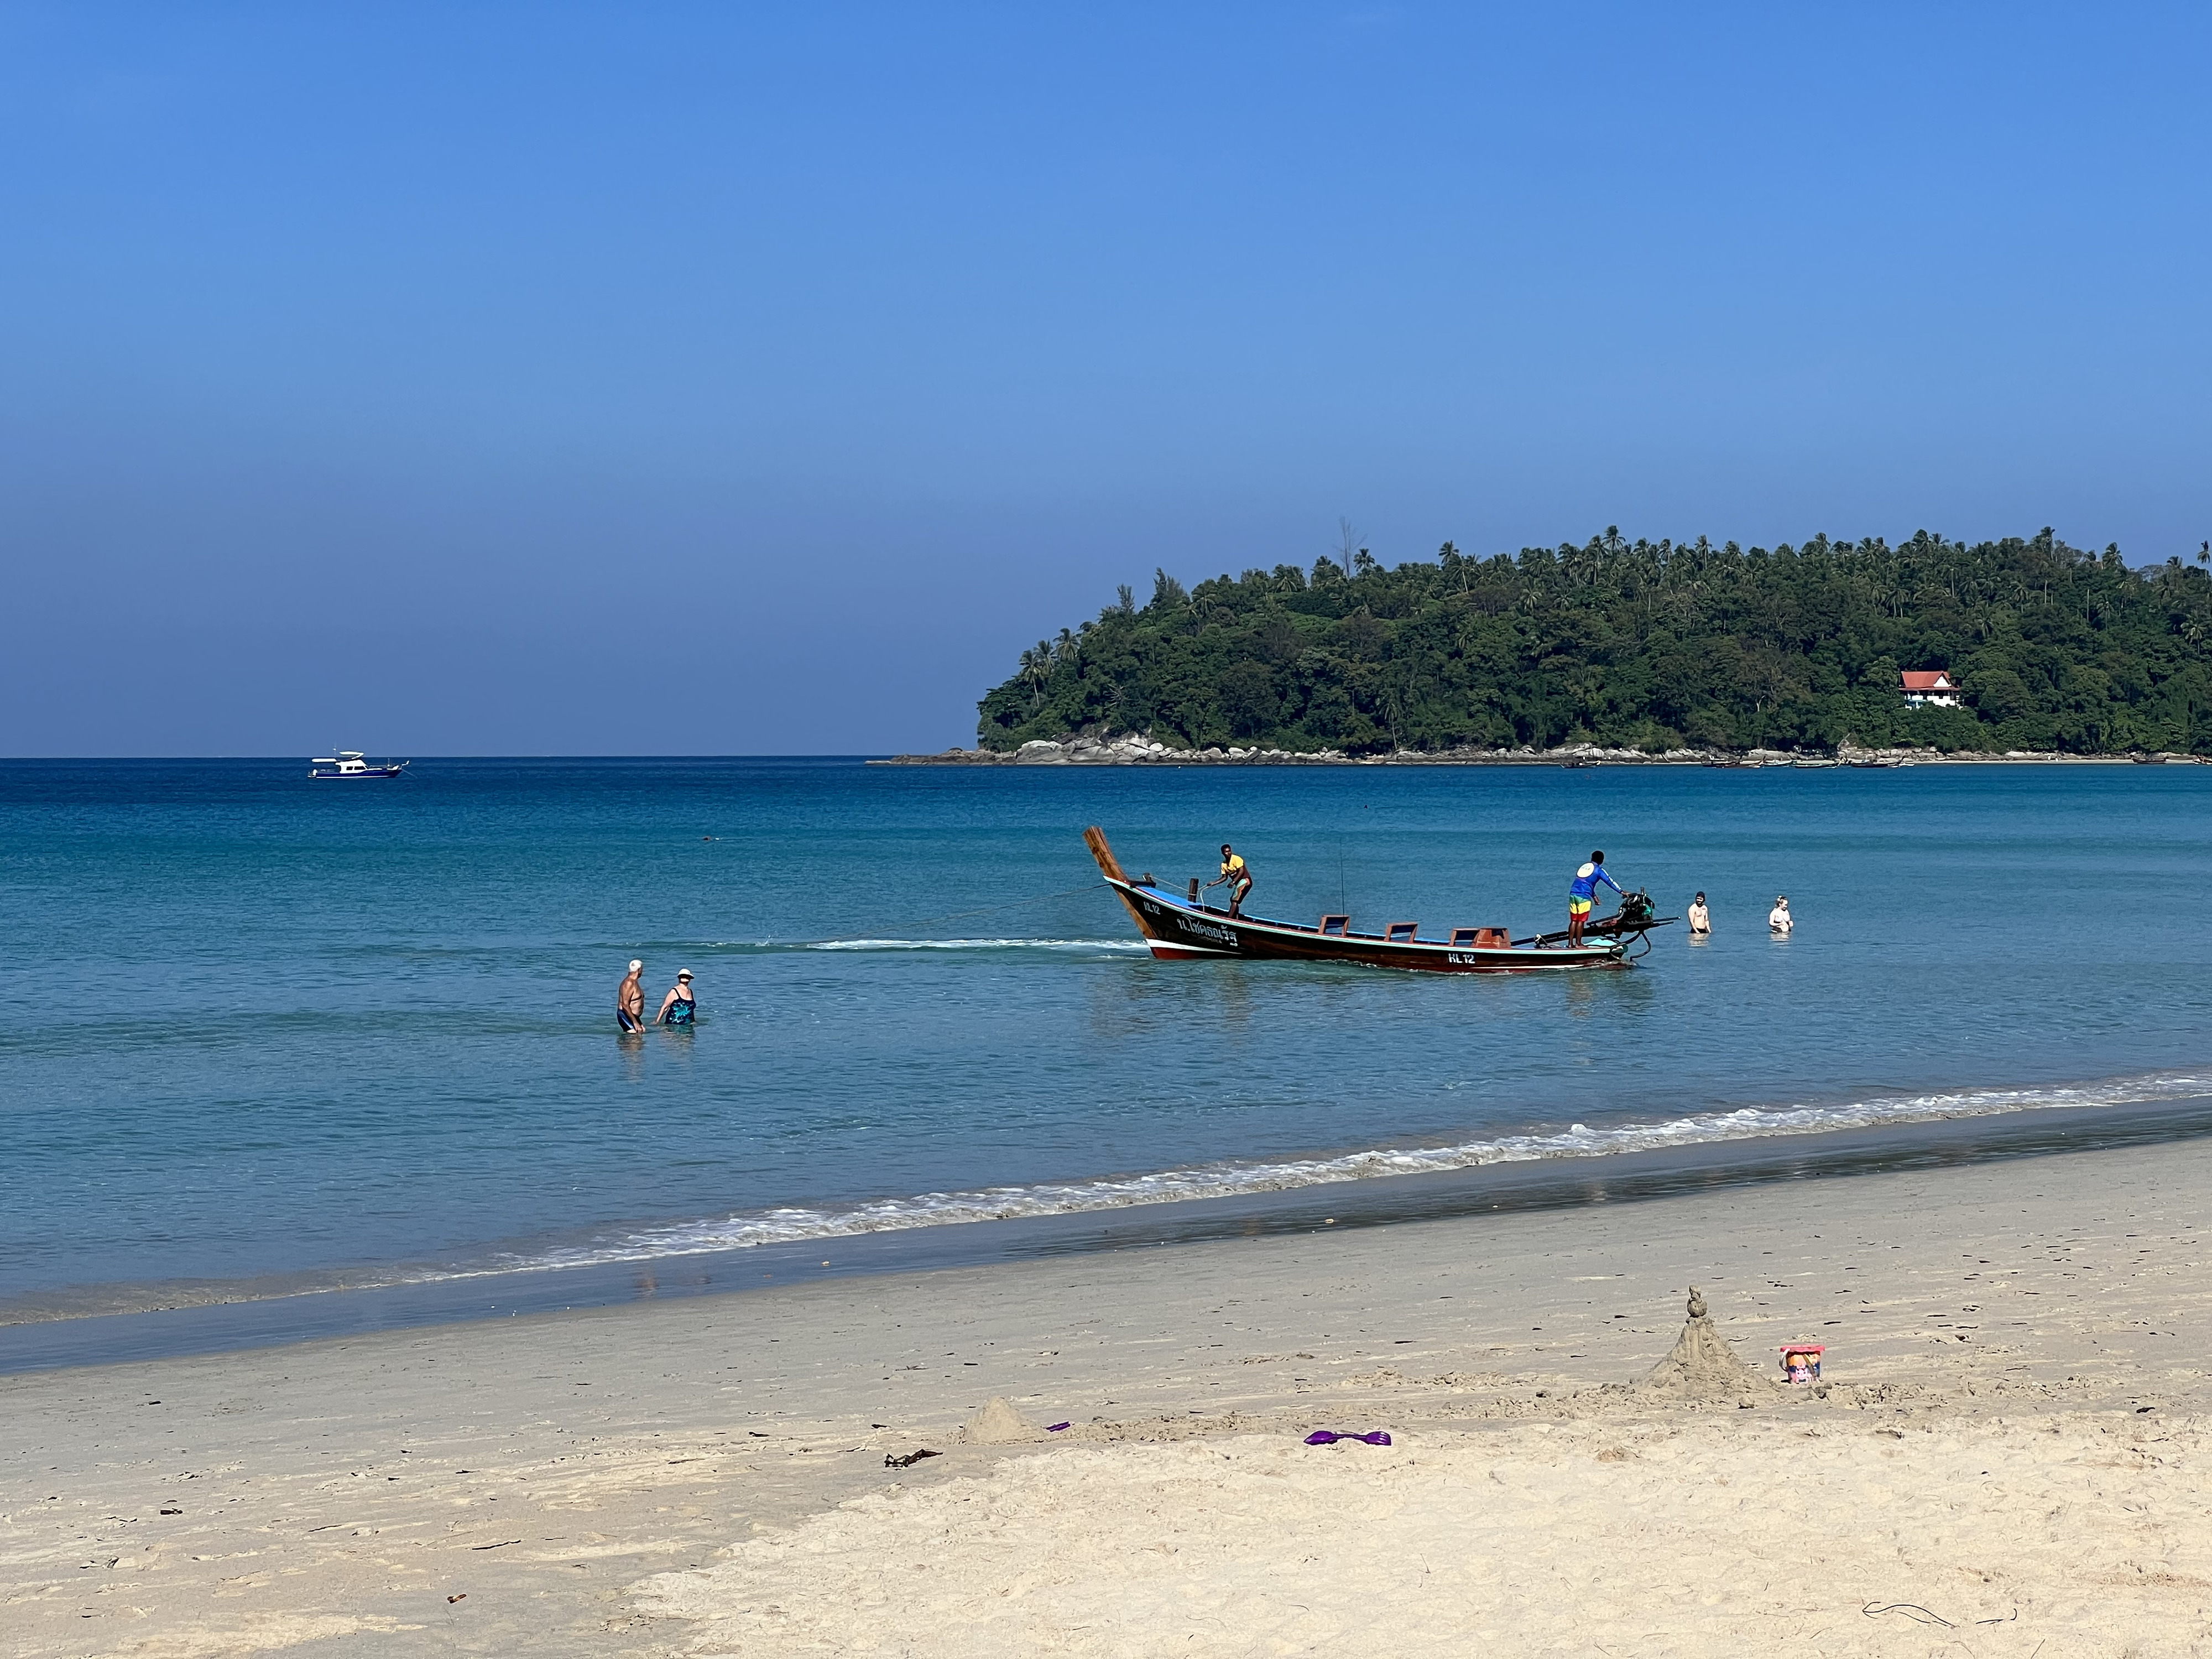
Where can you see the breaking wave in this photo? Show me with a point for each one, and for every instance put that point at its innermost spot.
(1233, 1178)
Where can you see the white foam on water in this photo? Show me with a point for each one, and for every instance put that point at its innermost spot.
(1116, 944)
(1115, 947)
(1231, 1179)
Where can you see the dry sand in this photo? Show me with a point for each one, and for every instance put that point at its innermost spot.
(2006, 1460)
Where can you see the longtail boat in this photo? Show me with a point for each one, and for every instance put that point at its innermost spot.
(1180, 927)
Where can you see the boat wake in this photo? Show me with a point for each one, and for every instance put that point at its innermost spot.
(1113, 946)
(1233, 1178)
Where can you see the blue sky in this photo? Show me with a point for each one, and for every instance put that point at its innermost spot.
(665, 377)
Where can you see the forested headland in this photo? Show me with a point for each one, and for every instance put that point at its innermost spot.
(1647, 645)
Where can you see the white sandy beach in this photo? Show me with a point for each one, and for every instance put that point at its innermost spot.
(2007, 1459)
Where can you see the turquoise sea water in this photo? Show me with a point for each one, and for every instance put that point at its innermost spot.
(271, 1034)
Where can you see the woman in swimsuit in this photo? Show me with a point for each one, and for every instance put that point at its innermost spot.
(677, 1006)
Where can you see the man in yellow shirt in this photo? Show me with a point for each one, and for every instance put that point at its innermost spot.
(1238, 878)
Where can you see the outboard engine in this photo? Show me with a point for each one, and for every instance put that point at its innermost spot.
(1633, 920)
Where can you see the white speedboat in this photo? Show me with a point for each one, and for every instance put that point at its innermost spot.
(349, 763)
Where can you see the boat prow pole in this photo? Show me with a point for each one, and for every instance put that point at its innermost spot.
(1094, 839)
(1110, 867)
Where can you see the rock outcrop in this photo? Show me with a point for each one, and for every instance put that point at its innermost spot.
(1132, 750)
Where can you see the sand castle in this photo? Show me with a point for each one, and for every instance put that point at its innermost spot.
(1702, 1366)
(996, 1422)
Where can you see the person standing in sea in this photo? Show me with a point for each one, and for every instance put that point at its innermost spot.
(677, 1007)
(630, 1001)
(1701, 919)
(1778, 919)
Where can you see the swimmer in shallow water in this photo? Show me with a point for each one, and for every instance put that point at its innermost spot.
(1778, 918)
(1701, 919)
(677, 1007)
(630, 1001)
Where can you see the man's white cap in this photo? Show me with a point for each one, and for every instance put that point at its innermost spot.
(636, 967)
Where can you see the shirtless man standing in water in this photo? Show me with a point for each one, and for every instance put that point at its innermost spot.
(630, 1001)
(1701, 919)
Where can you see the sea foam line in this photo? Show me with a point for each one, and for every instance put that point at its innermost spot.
(1230, 1179)
(1117, 945)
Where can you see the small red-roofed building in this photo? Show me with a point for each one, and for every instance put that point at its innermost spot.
(1933, 686)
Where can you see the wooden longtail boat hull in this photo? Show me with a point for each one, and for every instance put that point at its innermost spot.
(1179, 931)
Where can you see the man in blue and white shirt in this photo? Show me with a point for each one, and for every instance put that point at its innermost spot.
(1584, 893)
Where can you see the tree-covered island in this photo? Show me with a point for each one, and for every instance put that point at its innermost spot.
(1645, 644)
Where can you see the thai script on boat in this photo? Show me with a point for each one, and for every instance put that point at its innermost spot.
(1205, 930)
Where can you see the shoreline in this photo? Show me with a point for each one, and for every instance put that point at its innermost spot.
(1141, 751)
(219, 1317)
(2006, 1342)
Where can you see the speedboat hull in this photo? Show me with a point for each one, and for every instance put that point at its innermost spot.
(351, 763)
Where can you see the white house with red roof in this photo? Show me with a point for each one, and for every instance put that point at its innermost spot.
(1932, 686)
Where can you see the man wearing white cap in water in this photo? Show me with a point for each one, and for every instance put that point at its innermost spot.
(630, 1001)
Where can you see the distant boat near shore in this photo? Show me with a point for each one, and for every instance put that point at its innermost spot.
(351, 763)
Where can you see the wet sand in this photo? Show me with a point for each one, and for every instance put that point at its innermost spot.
(2012, 1430)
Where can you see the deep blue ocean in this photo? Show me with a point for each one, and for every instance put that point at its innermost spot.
(269, 1034)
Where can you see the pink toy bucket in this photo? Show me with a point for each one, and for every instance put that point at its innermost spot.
(1800, 1362)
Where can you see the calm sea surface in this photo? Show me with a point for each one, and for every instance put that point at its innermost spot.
(267, 1034)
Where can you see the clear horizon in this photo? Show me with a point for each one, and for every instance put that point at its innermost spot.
(591, 381)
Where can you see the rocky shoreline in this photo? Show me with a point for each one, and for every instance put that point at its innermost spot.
(1135, 750)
